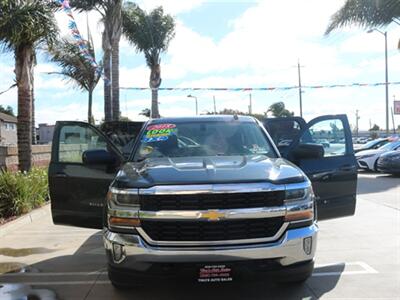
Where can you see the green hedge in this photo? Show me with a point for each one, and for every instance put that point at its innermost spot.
(22, 192)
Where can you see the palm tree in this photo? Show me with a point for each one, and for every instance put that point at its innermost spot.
(25, 25)
(150, 33)
(278, 110)
(110, 11)
(75, 67)
(366, 14)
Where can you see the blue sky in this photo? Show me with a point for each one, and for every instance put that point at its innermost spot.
(236, 44)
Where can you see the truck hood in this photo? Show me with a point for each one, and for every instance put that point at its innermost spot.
(206, 170)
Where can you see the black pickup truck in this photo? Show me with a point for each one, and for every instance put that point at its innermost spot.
(206, 199)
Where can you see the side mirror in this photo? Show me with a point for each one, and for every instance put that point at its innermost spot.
(308, 151)
(98, 157)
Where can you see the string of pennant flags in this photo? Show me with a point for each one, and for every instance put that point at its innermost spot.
(246, 89)
(80, 41)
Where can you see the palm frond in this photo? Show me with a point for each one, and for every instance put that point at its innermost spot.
(150, 33)
(74, 66)
(365, 13)
(27, 22)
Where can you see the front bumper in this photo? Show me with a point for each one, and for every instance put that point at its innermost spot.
(138, 256)
(362, 164)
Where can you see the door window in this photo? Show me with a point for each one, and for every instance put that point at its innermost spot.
(76, 139)
(328, 133)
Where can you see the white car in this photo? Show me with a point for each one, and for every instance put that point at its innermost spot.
(367, 159)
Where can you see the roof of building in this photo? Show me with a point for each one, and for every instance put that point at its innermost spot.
(7, 118)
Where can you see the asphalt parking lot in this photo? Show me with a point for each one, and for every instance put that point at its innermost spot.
(357, 258)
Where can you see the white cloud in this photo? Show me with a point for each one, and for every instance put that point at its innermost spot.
(171, 6)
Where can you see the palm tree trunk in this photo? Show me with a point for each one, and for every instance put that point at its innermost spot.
(108, 112)
(115, 80)
(90, 102)
(155, 82)
(154, 104)
(34, 139)
(24, 72)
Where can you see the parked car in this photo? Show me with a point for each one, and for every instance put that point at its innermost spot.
(211, 211)
(371, 145)
(389, 162)
(324, 142)
(368, 159)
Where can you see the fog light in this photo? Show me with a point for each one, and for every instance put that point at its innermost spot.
(307, 245)
(118, 252)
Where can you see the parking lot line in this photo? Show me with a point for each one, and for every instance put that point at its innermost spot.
(366, 269)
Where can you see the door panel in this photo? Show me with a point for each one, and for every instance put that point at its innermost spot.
(334, 176)
(78, 191)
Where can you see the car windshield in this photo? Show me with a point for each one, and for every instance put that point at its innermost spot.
(370, 144)
(191, 139)
(390, 146)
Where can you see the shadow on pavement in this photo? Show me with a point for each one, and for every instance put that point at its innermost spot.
(90, 257)
(380, 183)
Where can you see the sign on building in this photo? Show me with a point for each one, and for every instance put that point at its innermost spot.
(396, 107)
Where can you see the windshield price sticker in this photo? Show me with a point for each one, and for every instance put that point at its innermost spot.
(215, 273)
(161, 126)
(159, 133)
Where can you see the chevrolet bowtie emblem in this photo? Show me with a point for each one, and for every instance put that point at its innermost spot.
(212, 215)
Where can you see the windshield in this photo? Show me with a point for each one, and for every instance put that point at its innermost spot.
(370, 144)
(203, 139)
(390, 146)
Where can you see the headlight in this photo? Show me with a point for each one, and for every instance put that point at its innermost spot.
(123, 206)
(299, 204)
(124, 197)
(298, 194)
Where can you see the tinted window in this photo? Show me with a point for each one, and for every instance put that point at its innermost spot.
(329, 134)
(75, 139)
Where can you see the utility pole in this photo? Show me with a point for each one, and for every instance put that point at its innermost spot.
(300, 91)
(357, 118)
(215, 106)
(250, 105)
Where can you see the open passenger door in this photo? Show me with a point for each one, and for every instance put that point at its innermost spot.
(323, 149)
(84, 161)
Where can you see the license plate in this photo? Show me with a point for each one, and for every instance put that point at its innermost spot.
(215, 273)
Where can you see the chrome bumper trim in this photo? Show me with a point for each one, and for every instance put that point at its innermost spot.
(137, 253)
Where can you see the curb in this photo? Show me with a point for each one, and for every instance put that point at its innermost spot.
(25, 219)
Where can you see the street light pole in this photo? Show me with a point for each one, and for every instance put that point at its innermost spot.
(215, 106)
(386, 77)
(300, 91)
(195, 98)
(386, 83)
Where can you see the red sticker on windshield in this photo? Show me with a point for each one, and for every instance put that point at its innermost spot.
(160, 126)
